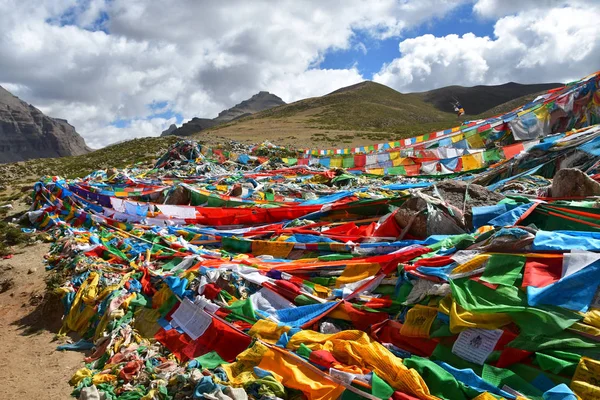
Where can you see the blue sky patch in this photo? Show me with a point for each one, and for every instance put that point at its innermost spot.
(459, 21)
(162, 109)
(70, 18)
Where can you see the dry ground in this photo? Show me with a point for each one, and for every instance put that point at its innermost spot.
(294, 131)
(30, 366)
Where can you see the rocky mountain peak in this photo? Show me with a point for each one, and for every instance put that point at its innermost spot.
(261, 101)
(25, 132)
(172, 128)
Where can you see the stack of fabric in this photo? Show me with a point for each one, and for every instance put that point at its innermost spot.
(214, 276)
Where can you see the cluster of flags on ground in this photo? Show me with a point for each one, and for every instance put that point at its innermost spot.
(211, 280)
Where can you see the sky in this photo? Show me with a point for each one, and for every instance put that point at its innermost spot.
(121, 69)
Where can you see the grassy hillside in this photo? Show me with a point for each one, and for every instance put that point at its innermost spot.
(367, 106)
(369, 112)
(354, 115)
(364, 113)
(119, 155)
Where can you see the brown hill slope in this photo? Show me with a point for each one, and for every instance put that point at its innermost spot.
(368, 112)
(361, 113)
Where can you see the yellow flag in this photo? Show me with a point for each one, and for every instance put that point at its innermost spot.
(586, 381)
(418, 321)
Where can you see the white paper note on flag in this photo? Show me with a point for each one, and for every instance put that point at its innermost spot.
(192, 319)
(342, 376)
(476, 345)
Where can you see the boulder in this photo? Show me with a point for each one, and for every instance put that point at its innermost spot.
(423, 223)
(179, 196)
(571, 182)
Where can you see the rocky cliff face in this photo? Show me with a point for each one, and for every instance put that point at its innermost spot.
(259, 102)
(25, 132)
(193, 126)
(170, 129)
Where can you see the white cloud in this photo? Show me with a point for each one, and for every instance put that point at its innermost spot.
(501, 8)
(198, 56)
(535, 45)
(360, 46)
(136, 128)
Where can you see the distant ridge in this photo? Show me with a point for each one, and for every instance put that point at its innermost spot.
(259, 102)
(479, 99)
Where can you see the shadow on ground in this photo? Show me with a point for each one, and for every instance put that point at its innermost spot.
(46, 316)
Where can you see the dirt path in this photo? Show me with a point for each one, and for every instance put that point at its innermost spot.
(30, 366)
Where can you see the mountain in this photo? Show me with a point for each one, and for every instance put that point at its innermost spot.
(25, 132)
(194, 125)
(479, 99)
(170, 129)
(369, 112)
(259, 102)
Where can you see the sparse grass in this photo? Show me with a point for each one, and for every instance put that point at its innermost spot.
(56, 278)
(371, 107)
(5, 250)
(11, 235)
(144, 150)
(11, 197)
(344, 138)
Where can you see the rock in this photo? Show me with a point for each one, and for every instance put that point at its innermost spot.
(31, 271)
(180, 196)
(35, 299)
(6, 284)
(570, 182)
(453, 193)
(25, 132)
(111, 172)
(405, 214)
(237, 191)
